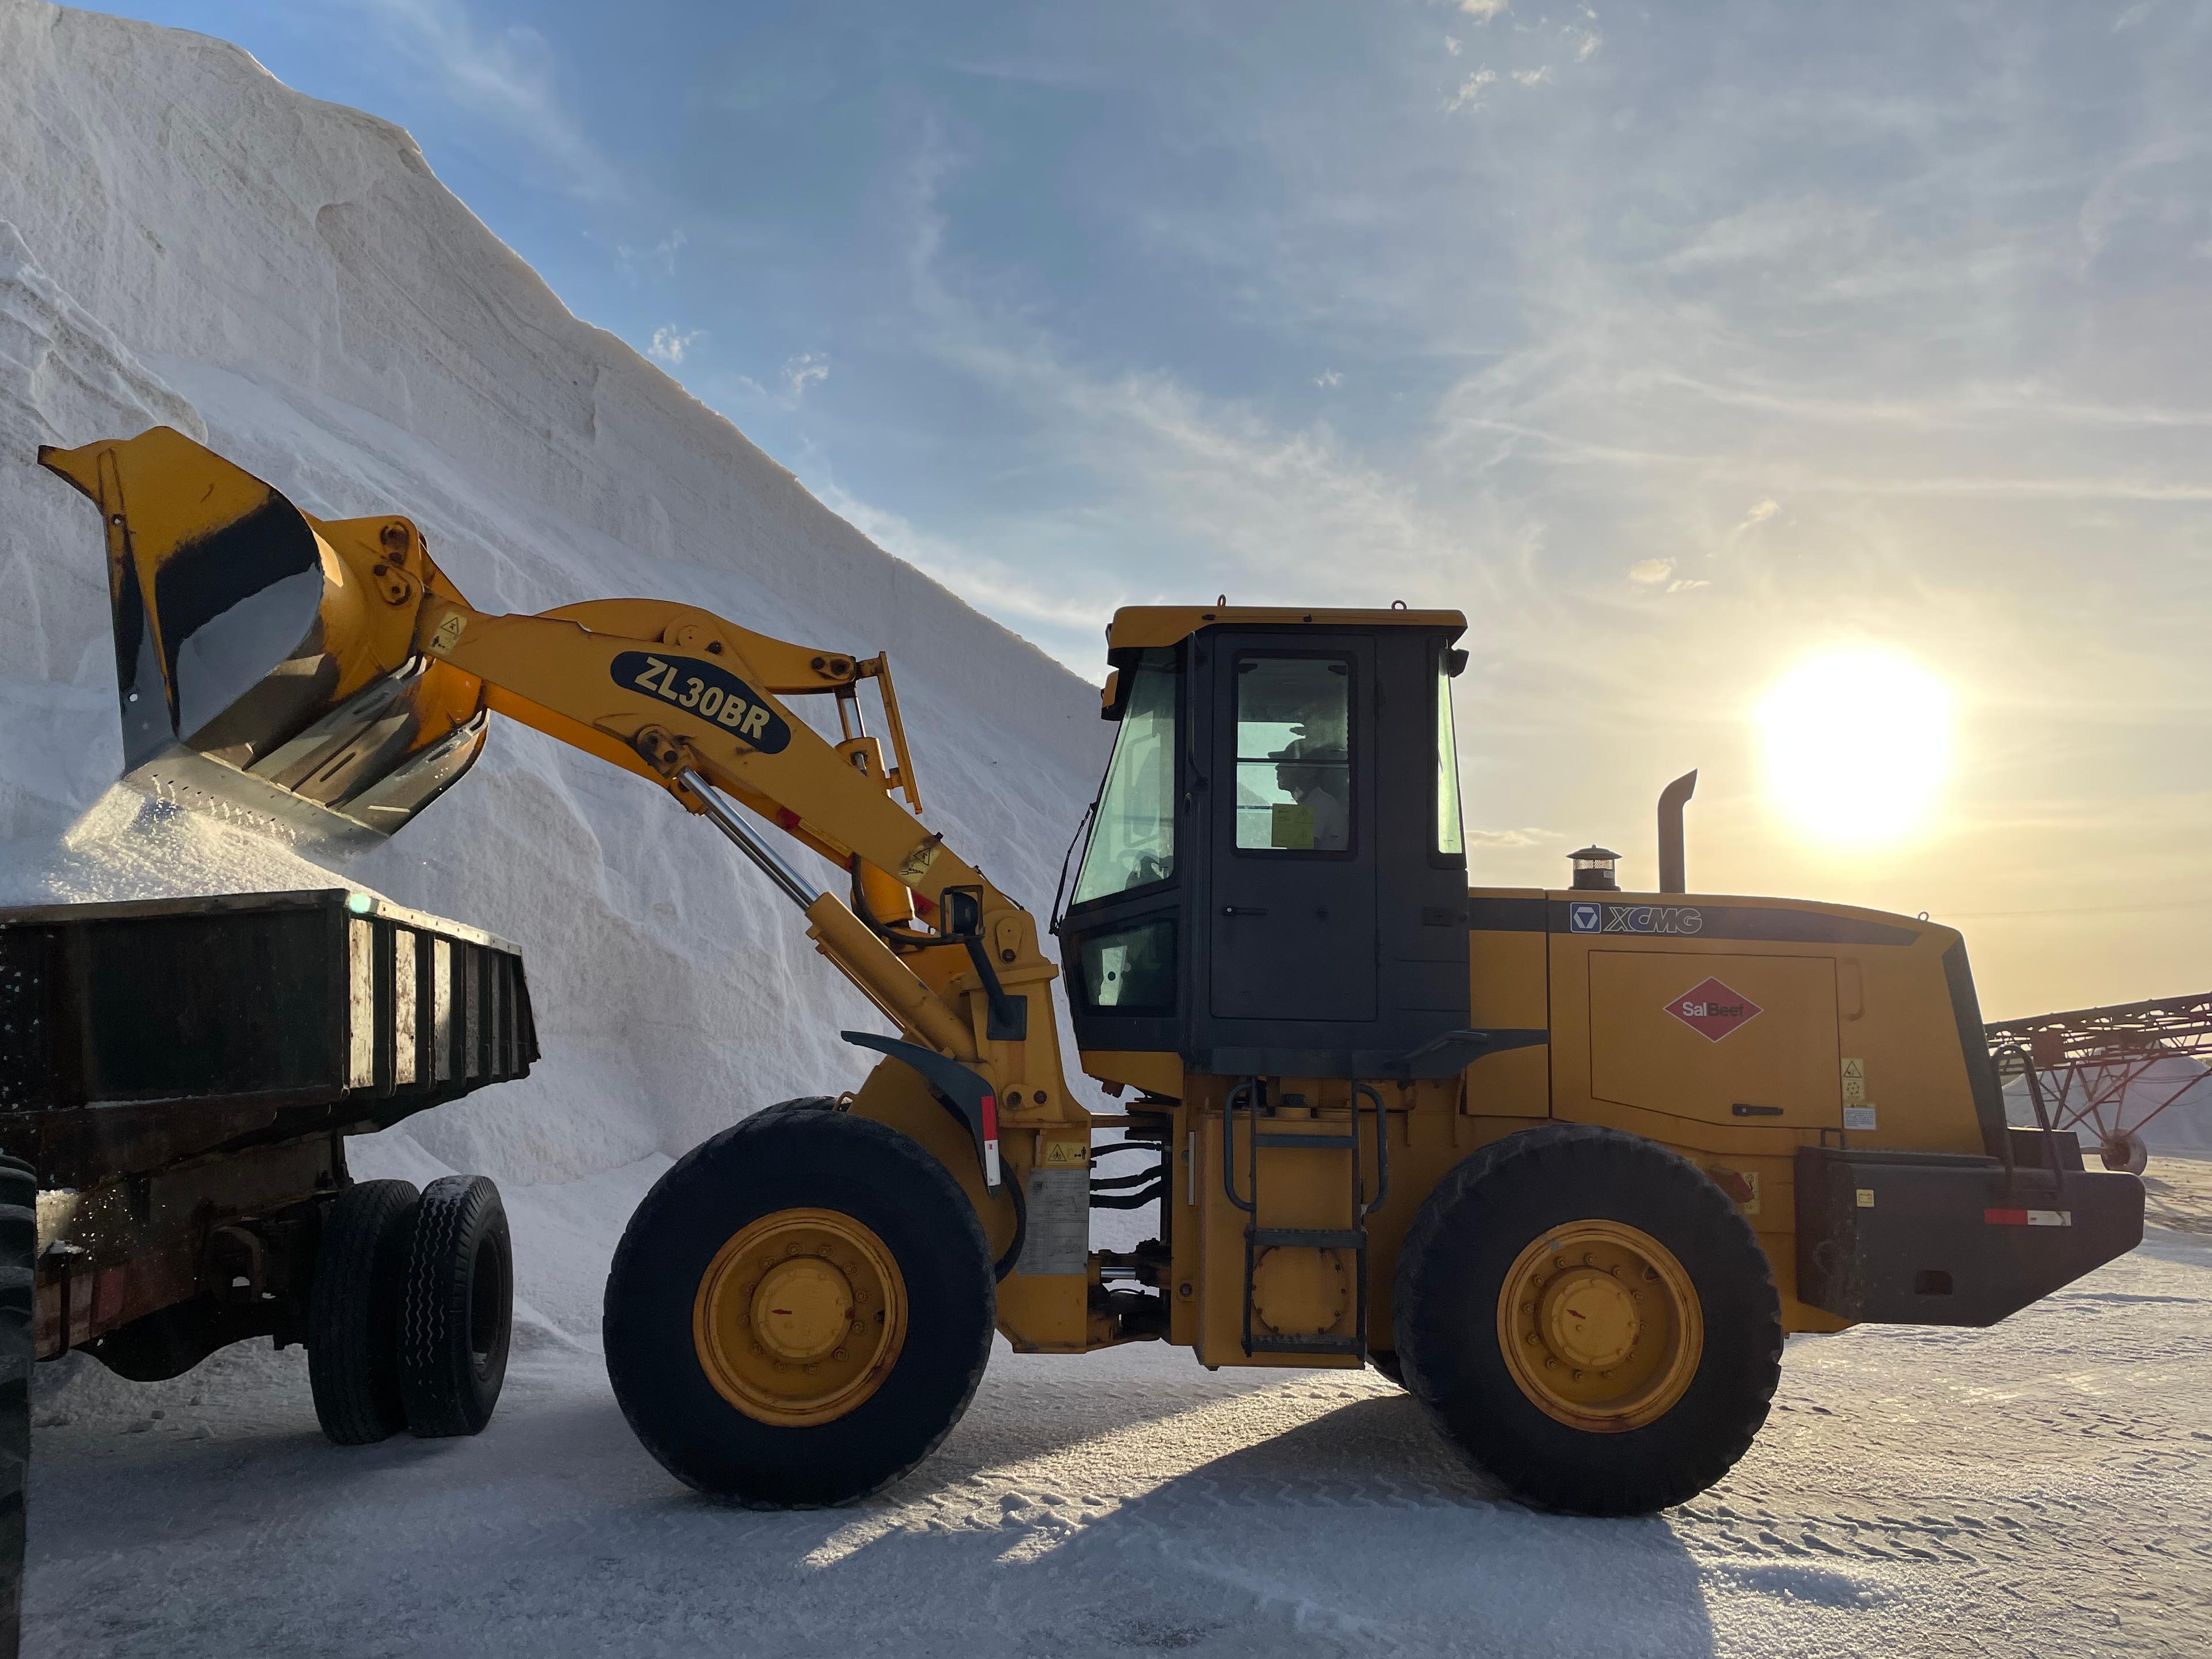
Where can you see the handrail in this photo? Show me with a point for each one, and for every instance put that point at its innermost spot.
(1248, 1088)
(2042, 1115)
(1382, 1152)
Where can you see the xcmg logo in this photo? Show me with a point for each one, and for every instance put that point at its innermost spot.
(1589, 916)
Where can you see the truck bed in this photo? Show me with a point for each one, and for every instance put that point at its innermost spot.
(135, 1036)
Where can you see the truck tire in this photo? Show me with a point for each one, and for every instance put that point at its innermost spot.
(456, 1309)
(353, 1312)
(18, 1246)
(1588, 1319)
(800, 1311)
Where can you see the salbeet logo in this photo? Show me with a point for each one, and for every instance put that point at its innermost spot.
(1712, 1010)
(705, 689)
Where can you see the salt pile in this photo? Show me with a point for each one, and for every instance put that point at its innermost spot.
(183, 240)
(2176, 1088)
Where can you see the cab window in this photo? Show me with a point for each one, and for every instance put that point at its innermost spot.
(1132, 970)
(1293, 755)
(1132, 840)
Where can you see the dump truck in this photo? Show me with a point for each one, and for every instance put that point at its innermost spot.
(1567, 1165)
(180, 1075)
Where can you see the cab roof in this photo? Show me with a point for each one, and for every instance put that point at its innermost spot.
(1136, 627)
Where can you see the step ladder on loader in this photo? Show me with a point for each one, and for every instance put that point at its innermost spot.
(1269, 1147)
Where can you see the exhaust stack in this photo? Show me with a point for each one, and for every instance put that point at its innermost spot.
(1671, 801)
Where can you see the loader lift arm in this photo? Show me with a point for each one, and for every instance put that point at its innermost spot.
(394, 669)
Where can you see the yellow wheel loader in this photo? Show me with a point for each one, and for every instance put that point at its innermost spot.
(1567, 1165)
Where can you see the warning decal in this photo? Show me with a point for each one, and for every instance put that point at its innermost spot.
(1059, 1236)
(1713, 1010)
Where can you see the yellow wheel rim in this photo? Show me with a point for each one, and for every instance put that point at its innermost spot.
(799, 1317)
(1600, 1325)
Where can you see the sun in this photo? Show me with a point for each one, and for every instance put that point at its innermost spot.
(1858, 744)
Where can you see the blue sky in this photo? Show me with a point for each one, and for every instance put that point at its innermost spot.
(1675, 344)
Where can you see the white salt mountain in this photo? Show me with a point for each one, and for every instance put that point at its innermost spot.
(186, 242)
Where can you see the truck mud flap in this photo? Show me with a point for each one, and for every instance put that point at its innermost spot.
(1921, 1238)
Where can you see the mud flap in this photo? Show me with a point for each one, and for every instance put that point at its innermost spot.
(967, 1092)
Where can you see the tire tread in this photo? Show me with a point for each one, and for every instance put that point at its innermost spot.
(436, 1380)
(351, 1353)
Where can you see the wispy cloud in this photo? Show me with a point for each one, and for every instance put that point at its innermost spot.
(1328, 379)
(1265, 511)
(660, 257)
(1512, 838)
(1469, 95)
(807, 368)
(672, 344)
(1013, 595)
(508, 75)
(1585, 36)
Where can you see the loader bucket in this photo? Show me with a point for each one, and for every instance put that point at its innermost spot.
(265, 660)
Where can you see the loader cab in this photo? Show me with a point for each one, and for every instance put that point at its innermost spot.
(1275, 881)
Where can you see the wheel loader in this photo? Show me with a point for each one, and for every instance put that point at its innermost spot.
(1567, 1165)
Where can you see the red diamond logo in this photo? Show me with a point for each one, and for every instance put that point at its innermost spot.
(1713, 1010)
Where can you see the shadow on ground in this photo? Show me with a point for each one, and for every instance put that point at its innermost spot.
(1125, 1504)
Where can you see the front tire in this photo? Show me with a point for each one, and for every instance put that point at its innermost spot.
(800, 1311)
(1589, 1320)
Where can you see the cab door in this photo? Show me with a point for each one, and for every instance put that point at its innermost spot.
(1291, 922)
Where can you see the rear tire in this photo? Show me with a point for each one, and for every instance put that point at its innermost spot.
(1385, 1360)
(1695, 1311)
(877, 1241)
(353, 1312)
(457, 1311)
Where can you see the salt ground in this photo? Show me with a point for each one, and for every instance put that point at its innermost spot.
(2038, 1489)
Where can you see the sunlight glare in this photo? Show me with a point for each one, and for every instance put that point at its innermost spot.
(1857, 745)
